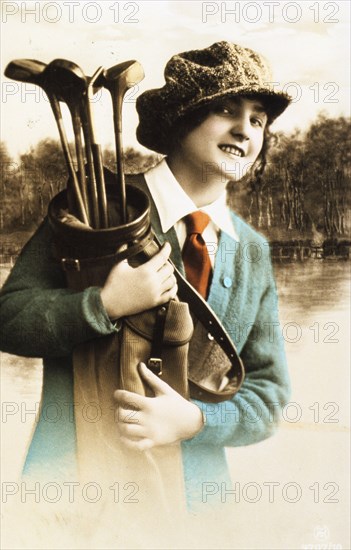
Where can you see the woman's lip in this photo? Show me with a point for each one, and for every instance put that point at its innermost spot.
(232, 150)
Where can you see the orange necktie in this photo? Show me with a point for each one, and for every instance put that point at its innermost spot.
(196, 260)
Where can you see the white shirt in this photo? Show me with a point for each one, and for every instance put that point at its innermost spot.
(173, 204)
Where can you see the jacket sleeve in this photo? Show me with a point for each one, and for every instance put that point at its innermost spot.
(39, 316)
(253, 413)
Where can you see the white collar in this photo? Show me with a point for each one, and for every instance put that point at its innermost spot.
(173, 203)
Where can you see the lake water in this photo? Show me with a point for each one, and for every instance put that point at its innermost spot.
(309, 454)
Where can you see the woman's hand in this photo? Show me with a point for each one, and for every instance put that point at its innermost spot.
(146, 422)
(130, 290)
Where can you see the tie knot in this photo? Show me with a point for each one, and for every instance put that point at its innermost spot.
(196, 222)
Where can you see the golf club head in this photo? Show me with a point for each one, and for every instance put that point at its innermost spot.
(65, 79)
(96, 87)
(123, 76)
(95, 82)
(25, 70)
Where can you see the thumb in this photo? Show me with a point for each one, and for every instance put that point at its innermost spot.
(120, 269)
(158, 386)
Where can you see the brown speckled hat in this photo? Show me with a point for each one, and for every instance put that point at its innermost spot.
(198, 77)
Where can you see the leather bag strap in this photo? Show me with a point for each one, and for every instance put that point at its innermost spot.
(213, 325)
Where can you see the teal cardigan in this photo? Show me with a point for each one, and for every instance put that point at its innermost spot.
(40, 317)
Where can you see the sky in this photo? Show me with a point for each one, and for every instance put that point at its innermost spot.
(306, 43)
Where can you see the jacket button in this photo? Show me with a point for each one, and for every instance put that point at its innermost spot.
(227, 282)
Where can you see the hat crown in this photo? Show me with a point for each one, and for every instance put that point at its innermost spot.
(235, 63)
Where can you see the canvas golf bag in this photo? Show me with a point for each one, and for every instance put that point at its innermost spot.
(172, 340)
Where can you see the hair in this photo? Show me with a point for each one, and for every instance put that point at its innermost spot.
(191, 120)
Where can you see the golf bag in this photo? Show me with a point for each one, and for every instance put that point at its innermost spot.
(171, 339)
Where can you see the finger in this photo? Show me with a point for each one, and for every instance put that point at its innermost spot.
(130, 400)
(169, 295)
(168, 284)
(158, 386)
(137, 445)
(132, 431)
(160, 258)
(165, 271)
(129, 416)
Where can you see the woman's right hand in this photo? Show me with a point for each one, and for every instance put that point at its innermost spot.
(130, 290)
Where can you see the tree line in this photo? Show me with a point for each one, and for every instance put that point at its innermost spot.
(304, 190)
(302, 193)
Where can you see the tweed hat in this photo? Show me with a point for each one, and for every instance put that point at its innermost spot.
(198, 77)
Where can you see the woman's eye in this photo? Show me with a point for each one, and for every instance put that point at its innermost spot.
(222, 110)
(257, 121)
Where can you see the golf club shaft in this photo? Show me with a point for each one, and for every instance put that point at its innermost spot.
(96, 152)
(100, 179)
(117, 123)
(91, 181)
(79, 204)
(76, 122)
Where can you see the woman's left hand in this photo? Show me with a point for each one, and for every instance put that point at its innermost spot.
(146, 422)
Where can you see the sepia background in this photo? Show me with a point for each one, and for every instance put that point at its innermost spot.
(293, 489)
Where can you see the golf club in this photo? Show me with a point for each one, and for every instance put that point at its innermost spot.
(96, 151)
(92, 193)
(70, 84)
(117, 80)
(34, 72)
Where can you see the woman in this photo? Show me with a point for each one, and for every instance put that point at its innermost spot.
(211, 119)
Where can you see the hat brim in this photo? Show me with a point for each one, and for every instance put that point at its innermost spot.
(274, 103)
(155, 133)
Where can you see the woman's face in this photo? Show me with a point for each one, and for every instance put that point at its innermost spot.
(228, 141)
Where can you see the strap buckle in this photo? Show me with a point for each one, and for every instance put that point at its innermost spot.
(70, 264)
(155, 364)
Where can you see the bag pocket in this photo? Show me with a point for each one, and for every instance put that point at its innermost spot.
(137, 335)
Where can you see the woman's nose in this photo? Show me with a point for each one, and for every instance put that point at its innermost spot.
(241, 128)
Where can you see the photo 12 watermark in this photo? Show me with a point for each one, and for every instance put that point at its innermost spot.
(71, 12)
(270, 492)
(70, 491)
(270, 12)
